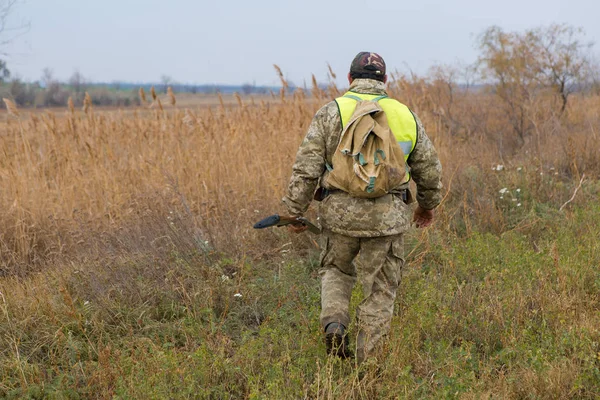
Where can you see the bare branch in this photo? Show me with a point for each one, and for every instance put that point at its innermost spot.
(9, 33)
(574, 193)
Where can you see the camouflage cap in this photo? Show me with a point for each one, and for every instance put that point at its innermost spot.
(367, 63)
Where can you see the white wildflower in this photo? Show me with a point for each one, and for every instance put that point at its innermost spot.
(498, 167)
(520, 169)
(519, 190)
(224, 278)
(503, 190)
(518, 204)
(237, 295)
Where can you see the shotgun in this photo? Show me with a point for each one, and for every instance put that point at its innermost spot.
(277, 220)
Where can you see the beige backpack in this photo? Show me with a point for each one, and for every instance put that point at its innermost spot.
(368, 162)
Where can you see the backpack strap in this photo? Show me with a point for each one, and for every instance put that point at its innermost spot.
(371, 186)
(381, 153)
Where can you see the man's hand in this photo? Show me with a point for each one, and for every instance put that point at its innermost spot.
(422, 217)
(297, 228)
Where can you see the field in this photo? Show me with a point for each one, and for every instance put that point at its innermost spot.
(130, 269)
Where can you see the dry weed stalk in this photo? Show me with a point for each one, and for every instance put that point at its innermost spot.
(171, 95)
(221, 102)
(87, 103)
(316, 91)
(142, 96)
(284, 82)
(11, 107)
(238, 99)
(282, 95)
(331, 73)
(153, 93)
(71, 105)
(574, 193)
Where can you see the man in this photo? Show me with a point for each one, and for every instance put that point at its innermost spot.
(362, 237)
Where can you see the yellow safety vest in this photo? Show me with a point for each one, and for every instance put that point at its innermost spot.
(400, 119)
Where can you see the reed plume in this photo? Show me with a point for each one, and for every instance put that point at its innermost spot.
(331, 73)
(171, 95)
(142, 96)
(284, 83)
(11, 107)
(87, 103)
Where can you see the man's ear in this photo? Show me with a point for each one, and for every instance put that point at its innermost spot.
(385, 78)
(350, 78)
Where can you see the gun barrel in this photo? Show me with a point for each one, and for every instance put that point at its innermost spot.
(311, 227)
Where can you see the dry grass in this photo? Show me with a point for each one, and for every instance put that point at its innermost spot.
(74, 175)
(65, 176)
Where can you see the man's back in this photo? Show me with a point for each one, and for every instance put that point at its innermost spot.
(340, 212)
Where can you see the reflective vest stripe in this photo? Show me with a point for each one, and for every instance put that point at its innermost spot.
(407, 147)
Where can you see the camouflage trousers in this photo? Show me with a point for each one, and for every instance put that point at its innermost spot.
(377, 263)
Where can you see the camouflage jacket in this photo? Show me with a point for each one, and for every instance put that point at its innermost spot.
(351, 216)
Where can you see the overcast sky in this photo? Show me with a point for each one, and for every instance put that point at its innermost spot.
(234, 41)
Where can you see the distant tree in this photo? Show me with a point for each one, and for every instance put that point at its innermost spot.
(563, 58)
(248, 88)
(47, 77)
(23, 93)
(507, 60)
(53, 95)
(165, 80)
(443, 88)
(77, 82)
(521, 65)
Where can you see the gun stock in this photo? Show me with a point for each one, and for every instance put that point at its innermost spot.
(277, 220)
